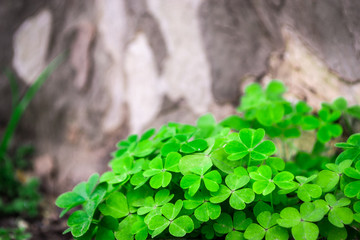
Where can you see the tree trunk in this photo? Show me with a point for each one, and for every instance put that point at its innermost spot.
(134, 64)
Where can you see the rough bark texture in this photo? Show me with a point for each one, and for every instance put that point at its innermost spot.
(133, 64)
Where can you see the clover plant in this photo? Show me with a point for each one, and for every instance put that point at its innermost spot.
(229, 180)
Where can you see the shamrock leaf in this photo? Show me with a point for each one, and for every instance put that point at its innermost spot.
(123, 167)
(195, 163)
(140, 229)
(204, 210)
(356, 207)
(266, 227)
(307, 191)
(277, 164)
(124, 230)
(206, 125)
(301, 223)
(232, 227)
(197, 145)
(352, 149)
(327, 180)
(79, 222)
(264, 184)
(89, 194)
(169, 147)
(178, 227)
(160, 173)
(106, 228)
(151, 206)
(270, 113)
(200, 164)
(208, 231)
(339, 214)
(235, 122)
(234, 182)
(250, 146)
(327, 128)
(266, 106)
(125, 146)
(352, 189)
(116, 205)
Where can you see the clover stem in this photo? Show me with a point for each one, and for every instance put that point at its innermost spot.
(271, 200)
(249, 161)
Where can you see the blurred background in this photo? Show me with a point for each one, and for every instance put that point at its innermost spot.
(136, 64)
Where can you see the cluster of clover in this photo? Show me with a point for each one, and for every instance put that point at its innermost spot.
(223, 179)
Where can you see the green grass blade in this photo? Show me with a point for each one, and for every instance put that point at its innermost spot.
(21, 106)
(15, 95)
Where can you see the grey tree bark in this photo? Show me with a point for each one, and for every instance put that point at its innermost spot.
(135, 64)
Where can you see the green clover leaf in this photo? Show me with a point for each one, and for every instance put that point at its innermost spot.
(339, 214)
(197, 145)
(151, 206)
(232, 227)
(250, 145)
(264, 184)
(160, 173)
(235, 122)
(291, 218)
(327, 180)
(169, 147)
(238, 197)
(352, 189)
(124, 231)
(307, 191)
(328, 129)
(88, 193)
(356, 208)
(178, 227)
(352, 149)
(107, 226)
(195, 163)
(199, 165)
(270, 113)
(266, 228)
(192, 182)
(116, 205)
(204, 210)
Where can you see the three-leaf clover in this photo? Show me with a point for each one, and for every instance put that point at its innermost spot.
(233, 228)
(204, 210)
(265, 184)
(267, 227)
(178, 226)
(352, 189)
(238, 197)
(307, 191)
(89, 194)
(340, 168)
(301, 224)
(195, 167)
(250, 146)
(328, 129)
(160, 172)
(151, 206)
(352, 149)
(339, 214)
(266, 106)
